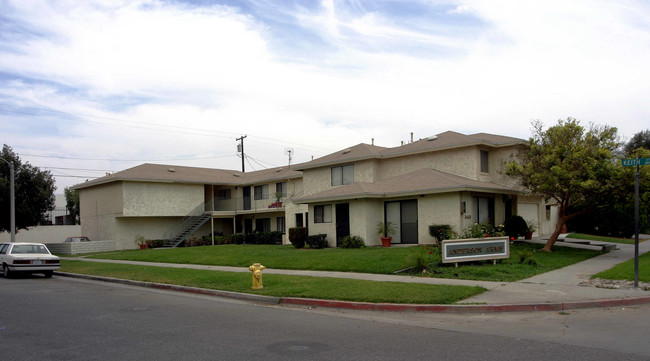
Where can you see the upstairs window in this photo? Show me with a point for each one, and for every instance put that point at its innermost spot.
(262, 192)
(484, 161)
(343, 175)
(281, 187)
(223, 194)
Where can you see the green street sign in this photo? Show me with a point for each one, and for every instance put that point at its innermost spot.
(635, 161)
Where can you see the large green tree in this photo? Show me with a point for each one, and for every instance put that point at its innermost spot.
(34, 192)
(568, 164)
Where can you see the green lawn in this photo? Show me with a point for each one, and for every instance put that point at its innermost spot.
(625, 270)
(365, 260)
(283, 285)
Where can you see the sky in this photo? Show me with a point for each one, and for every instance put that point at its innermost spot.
(97, 86)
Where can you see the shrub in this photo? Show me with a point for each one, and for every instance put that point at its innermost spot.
(298, 236)
(317, 241)
(515, 226)
(440, 231)
(351, 242)
(482, 230)
(273, 237)
(155, 243)
(238, 238)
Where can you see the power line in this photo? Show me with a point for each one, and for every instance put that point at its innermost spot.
(120, 160)
(172, 128)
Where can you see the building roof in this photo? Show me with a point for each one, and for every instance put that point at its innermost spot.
(162, 173)
(442, 141)
(422, 181)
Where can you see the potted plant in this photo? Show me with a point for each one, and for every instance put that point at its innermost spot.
(531, 228)
(139, 240)
(385, 230)
(278, 203)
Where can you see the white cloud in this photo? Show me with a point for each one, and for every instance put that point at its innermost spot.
(218, 72)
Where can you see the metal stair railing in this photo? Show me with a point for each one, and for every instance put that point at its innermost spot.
(179, 232)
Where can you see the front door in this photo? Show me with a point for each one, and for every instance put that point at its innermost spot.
(342, 220)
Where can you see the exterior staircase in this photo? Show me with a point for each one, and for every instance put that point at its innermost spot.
(188, 226)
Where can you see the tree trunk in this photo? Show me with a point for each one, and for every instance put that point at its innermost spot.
(558, 229)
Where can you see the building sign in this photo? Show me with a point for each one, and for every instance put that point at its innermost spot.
(475, 249)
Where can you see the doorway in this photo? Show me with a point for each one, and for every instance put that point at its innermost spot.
(342, 221)
(404, 216)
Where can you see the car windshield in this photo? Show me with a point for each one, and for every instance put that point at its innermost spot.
(29, 248)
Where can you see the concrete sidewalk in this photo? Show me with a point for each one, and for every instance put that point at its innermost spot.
(558, 289)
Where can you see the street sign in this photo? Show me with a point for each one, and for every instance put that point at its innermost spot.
(636, 162)
(631, 162)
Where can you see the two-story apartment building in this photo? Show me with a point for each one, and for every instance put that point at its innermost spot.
(450, 178)
(152, 200)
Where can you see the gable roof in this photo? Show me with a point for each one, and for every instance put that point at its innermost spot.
(161, 173)
(442, 141)
(421, 181)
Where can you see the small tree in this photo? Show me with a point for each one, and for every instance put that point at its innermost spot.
(569, 165)
(72, 204)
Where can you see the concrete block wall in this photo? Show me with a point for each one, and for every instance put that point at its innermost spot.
(81, 247)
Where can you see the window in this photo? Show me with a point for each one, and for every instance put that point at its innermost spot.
(262, 192)
(484, 210)
(223, 194)
(280, 225)
(299, 220)
(484, 162)
(281, 187)
(263, 225)
(323, 214)
(343, 175)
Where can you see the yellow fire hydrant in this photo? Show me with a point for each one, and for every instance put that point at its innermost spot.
(257, 268)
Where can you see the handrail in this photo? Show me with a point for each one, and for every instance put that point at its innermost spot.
(187, 220)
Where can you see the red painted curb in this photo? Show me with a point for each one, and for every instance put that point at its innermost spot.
(522, 307)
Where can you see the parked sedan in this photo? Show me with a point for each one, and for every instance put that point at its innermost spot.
(77, 239)
(27, 258)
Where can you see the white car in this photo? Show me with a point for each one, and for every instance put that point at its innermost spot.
(28, 258)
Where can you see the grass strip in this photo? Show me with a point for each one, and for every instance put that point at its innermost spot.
(283, 285)
(590, 237)
(526, 259)
(625, 270)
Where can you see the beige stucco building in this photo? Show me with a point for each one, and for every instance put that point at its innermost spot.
(450, 178)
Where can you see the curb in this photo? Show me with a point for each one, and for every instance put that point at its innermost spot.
(456, 308)
(367, 306)
(167, 287)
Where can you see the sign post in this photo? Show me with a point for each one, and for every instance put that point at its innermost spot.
(636, 162)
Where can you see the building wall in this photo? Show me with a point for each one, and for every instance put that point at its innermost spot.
(365, 214)
(43, 234)
(457, 161)
(145, 199)
(438, 209)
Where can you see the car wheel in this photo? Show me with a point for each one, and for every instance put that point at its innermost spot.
(48, 274)
(5, 271)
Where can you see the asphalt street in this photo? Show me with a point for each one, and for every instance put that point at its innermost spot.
(70, 319)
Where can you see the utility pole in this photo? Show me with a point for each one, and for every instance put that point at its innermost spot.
(240, 148)
(12, 200)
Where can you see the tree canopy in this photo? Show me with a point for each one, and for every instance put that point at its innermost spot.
(568, 164)
(34, 192)
(639, 140)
